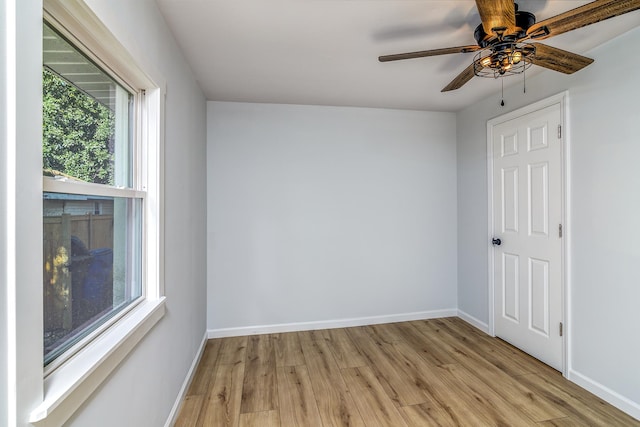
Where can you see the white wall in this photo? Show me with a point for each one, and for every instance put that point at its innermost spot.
(604, 231)
(318, 214)
(142, 391)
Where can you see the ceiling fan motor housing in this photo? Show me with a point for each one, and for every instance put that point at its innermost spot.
(524, 20)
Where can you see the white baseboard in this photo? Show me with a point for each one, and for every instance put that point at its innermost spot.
(484, 327)
(624, 404)
(171, 419)
(329, 324)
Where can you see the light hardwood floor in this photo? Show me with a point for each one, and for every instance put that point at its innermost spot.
(420, 373)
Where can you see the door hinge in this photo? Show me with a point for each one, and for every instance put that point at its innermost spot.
(560, 328)
(559, 131)
(559, 230)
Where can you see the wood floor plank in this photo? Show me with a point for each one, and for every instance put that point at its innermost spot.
(343, 349)
(205, 369)
(260, 419)
(428, 414)
(383, 333)
(509, 388)
(335, 403)
(486, 401)
(489, 349)
(450, 404)
(288, 349)
(561, 422)
(222, 406)
(400, 387)
(190, 411)
(313, 335)
(296, 398)
(374, 404)
(259, 388)
(233, 350)
(578, 403)
(429, 349)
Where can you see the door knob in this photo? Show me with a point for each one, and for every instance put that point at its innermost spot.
(496, 242)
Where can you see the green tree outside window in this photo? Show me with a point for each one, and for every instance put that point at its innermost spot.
(77, 132)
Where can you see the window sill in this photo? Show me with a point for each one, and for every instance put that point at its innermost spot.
(72, 383)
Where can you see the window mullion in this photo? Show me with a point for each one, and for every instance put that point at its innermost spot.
(72, 187)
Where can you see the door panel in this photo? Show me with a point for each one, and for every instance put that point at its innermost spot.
(509, 144)
(510, 200)
(528, 264)
(511, 287)
(539, 199)
(538, 137)
(539, 295)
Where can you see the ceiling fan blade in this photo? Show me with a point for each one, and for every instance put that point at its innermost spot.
(432, 52)
(497, 14)
(460, 79)
(559, 60)
(582, 16)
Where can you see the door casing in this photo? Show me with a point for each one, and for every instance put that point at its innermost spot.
(561, 98)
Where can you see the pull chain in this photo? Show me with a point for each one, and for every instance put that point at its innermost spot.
(524, 73)
(502, 101)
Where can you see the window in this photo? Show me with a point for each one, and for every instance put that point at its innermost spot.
(92, 233)
(102, 158)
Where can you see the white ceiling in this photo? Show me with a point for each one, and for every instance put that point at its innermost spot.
(324, 52)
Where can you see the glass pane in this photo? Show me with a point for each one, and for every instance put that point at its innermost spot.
(87, 118)
(92, 264)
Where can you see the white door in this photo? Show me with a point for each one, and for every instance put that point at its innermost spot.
(527, 211)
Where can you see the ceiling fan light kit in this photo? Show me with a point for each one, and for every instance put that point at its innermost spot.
(505, 39)
(503, 60)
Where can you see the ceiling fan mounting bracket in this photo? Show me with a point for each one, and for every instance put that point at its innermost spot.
(499, 30)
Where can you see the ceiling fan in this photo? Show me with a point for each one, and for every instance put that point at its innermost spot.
(507, 39)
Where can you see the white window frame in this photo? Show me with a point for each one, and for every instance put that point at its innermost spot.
(67, 385)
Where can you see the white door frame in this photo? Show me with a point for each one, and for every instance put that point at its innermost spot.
(562, 99)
